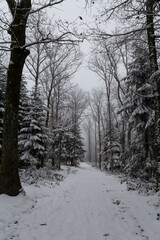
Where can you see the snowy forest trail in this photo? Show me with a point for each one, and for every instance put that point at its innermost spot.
(88, 205)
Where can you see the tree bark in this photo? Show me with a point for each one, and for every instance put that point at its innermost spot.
(95, 144)
(151, 35)
(154, 67)
(89, 144)
(99, 140)
(123, 143)
(9, 177)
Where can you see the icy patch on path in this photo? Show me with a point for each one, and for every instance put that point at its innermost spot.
(88, 205)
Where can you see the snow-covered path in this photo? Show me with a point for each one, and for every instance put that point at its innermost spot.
(88, 205)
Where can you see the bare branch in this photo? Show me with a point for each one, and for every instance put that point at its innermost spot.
(105, 35)
(52, 40)
(49, 4)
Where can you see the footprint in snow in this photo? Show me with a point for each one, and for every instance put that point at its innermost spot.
(116, 202)
(106, 234)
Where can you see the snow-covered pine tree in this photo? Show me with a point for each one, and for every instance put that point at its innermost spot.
(24, 107)
(67, 145)
(2, 102)
(111, 149)
(33, 136)
(139, 106)
(75, 146)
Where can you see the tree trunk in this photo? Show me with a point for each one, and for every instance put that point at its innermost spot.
(154, 67)
(95, 144)
(99, 140)
(47, 115)
(60, 153)
(9, 178)
(108, 91)
(89, 141)
(89, 146)
(129, 143)
(123, 143)
(151, 35)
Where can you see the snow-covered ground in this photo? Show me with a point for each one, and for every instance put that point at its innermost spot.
(87, 205)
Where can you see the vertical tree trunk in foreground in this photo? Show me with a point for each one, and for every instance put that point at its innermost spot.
(154, 67)
(9, 178)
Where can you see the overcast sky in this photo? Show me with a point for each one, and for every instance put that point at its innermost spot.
(71, 10)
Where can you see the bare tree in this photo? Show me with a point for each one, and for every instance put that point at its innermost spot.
(88, 128)
(62, 62)
(97, 105)
(35, 63)
(76, 106)
(105, 65)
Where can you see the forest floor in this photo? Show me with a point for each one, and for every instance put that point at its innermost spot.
(87, 205)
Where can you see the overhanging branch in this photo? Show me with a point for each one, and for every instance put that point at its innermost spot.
(52, 40)
(50, 4)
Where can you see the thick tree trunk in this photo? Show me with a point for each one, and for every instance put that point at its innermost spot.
(9, 178)
(154, 67)
(151, 35)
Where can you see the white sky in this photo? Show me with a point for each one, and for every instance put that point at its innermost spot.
(71, 10)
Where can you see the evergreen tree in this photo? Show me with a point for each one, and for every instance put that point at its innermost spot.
(33, 135)
(67, 145)
(24, 124)
(139, 105)
(24, 102)
(75, 146)
(112, 149)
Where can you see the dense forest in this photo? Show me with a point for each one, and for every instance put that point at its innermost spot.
(115, 127)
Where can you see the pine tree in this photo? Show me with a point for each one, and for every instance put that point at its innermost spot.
(67, 145)
(24, 102)
(33, 135)
(75, 148)
(24, 108)
(139, 105)
(112, 149)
